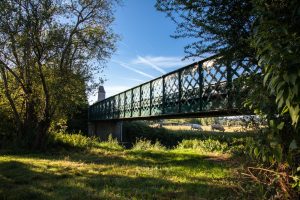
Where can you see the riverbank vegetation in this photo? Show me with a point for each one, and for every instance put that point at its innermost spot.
(77, 167)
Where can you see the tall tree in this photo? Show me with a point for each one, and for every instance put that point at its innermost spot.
(253, 32)
(218, 27)
(49, 50)
(276, 39)
(245, 32)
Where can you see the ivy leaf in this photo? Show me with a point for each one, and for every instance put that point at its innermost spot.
(272, 124)
(256, 152)
(293, 146)
(266, 78)
(280, 126)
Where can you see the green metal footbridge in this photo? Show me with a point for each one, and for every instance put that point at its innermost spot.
(202, 89)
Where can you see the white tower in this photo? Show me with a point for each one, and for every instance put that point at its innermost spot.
(101, 93)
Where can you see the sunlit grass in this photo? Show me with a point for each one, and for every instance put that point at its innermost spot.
(104, 173)
(208, 128)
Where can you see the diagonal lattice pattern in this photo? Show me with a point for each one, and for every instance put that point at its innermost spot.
(190, 86)
(145, 100)
(136, 102)
(201, 87)
(156, 97)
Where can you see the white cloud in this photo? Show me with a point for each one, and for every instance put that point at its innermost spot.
(161, 61)
(134, 79)
(113, 90)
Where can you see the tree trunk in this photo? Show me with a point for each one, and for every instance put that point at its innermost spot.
(41, 135)
(11, 102)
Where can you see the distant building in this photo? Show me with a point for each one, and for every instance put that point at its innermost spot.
(101, 93)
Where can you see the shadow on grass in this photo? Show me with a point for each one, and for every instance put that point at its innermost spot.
(26, 181)
(132, 158)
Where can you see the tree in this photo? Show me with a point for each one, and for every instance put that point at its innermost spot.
(218, 27)
(243, 32)
(276, 39)
(239, 32)
(49, 51)
(253, 32)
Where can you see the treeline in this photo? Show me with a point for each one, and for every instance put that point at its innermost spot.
(49, 53)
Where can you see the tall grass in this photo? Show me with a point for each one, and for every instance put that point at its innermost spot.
(204, 145)
(171, 138)
(76, 140)
(144, 144)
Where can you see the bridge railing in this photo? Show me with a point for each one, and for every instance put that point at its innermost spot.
(203, 86)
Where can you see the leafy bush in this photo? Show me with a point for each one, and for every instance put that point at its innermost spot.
(171, 138)
(65, 140)
(61, 139)
(143, 144)
(204, 145)
(111, 143)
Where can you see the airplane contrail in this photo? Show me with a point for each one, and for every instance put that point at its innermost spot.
(132, 69)
(147, 62)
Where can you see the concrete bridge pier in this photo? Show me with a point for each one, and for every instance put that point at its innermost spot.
(103, 129)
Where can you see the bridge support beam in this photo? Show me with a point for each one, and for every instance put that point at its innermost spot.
(103, 129)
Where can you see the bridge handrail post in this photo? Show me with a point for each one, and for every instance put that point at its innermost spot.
(200, 71)
(179, 91)
(163, 95)
(124, 107)
(140, 105)
(119, 105)
(150, 87)
(229, 85)
(103, 110)
(110, 107)
(131, 106)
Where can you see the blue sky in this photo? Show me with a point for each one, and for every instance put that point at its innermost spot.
(145, 50)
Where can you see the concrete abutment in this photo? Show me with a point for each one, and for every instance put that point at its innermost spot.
(103, 129)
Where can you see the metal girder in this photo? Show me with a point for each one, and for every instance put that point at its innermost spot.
(202, 89)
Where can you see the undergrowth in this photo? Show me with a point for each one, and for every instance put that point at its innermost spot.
(204, 145)
(77, 140)
(143, 144)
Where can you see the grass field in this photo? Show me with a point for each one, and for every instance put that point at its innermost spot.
(117, 173)
(208, 128)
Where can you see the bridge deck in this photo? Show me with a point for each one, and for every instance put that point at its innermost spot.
(201, 89)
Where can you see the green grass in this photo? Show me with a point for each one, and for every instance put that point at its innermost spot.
(115, 174)
(84, 168)
(171, 138)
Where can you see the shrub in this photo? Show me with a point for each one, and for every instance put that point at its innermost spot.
(111, 143)
(235, 141)
(143, 144)
(66, 140)
(203, 145)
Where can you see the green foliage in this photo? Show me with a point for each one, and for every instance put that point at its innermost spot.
(204, 145)
(111, 143)
(277, 42)
(263, 151)
(171, 138)
(65, 140)
(47, 50)
(78, 141)
(101, 173)
(296, 180)
(143, 144)
(260, 32)
(216, 27)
